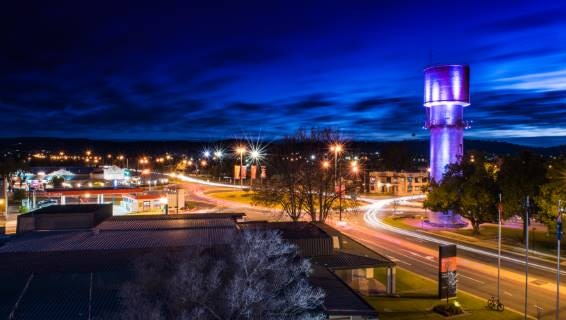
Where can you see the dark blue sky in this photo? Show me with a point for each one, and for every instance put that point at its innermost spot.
(122, 70)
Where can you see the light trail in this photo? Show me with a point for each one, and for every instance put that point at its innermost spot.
(199, 181)
(371, 218)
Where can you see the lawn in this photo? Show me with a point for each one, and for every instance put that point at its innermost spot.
(244, 197)
(418, 296)
(510, 237)
(539, 240)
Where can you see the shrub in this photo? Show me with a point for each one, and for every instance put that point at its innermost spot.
(448, 309)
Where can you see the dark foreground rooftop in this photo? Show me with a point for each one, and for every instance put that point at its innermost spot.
(77, 274)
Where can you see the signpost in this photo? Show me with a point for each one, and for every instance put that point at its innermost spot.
(526, 257)
(558, 240)
(499, 211)
(447, 267)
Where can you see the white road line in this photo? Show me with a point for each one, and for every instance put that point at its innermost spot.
(470, 278)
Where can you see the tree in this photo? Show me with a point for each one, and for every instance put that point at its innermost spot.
(260, 276)
(442, 197)
(552, 191)
(283, 186)
(469, 189)
(316, 179)
(8, 167)
(299, 182)
(521, 176)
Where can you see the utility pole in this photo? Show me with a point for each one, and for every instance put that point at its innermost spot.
(558, 240)
(5, 197)
(499, 209)
(241, 165)
(527, 257)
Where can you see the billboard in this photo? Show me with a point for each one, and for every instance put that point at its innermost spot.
(236, 172)
(447, 268)
(263, 172)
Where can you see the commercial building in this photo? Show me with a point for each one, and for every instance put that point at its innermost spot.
(398, 183)
(63, 272)
(154, 201)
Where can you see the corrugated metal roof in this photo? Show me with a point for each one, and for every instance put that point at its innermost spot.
(342, 260)
(116, 240)
(66, 295)
(146, 224)
(289, 230)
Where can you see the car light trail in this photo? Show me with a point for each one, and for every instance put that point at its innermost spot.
(199, 181)
(371, 217)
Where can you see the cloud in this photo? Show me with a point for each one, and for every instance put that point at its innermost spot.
(528, 21)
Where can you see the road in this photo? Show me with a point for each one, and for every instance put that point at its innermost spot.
(477, 267)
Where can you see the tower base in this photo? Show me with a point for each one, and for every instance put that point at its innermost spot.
(445, 220)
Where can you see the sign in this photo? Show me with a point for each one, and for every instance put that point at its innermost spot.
(263, 172)
(253, 171)
(447, 267)
(236, 172)
(244, 171)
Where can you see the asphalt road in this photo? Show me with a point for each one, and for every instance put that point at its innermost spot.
(477, 272)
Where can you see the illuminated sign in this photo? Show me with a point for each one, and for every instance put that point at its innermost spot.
(447, 268)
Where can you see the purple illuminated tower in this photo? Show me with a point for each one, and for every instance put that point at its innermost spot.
(446, 93)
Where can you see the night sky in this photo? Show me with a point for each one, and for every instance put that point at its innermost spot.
(207, 70)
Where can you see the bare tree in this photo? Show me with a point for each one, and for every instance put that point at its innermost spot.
(259, 276)
(283, 187)
(300, 183)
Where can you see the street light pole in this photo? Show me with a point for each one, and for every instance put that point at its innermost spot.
(558, 240)
(499, 250)
(241, 165)
(527, 257)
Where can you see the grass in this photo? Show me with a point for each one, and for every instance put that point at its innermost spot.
(539, 240)
(510, 237)
(418, 297)
(244, 197)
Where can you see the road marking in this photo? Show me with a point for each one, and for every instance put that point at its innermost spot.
(507, 293)
(398, 260)
(478, 281)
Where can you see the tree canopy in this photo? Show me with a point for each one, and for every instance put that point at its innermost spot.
(258, 276)
(468, 188)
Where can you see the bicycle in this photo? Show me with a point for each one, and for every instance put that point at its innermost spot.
(495, 304)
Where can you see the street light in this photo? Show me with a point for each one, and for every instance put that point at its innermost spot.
(241, 150)
(337, 148)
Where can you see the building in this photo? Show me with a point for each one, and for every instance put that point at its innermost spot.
(110, 173)
(154, 201)
(398, 183)
(73, 273)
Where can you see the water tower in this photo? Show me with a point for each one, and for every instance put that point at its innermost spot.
(446, 94)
